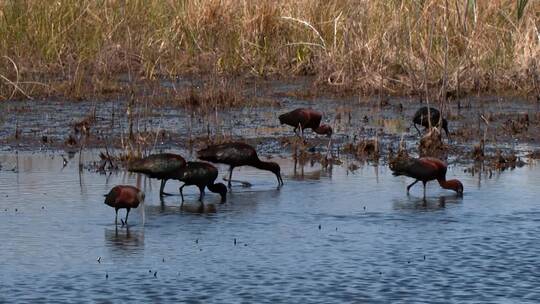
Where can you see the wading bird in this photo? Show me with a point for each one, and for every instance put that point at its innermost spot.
(124, 197)
(202, 175)
(162, 166)
(237, 154)
(421, 118)
(425, 169)
(305, 119)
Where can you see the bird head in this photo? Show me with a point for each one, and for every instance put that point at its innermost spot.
(324, 129)
(276, 169)
(222, 190)
(455, 185)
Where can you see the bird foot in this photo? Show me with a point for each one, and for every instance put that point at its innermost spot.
(123, 223)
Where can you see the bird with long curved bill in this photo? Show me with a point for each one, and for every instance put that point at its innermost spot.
(302, 119)
(202, 175)
(430, 118)
(124, 197)
(237, 154)
(423, 170)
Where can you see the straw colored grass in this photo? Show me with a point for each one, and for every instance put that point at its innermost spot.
(83, 48)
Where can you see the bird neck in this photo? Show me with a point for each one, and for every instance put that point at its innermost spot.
(263, 165)
(445, 184)
(319, 130)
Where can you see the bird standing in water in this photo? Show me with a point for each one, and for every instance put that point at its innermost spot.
(425, 169)
(237, 154)
(162, 166)
(202, 175)
(305, 119)
(124, 197)
(421, 118)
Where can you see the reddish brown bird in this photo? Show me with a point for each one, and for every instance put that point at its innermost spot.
(124, 197)
(425, 169)
(162, 166)
(305, 119)
(202, 175)
(237, 154)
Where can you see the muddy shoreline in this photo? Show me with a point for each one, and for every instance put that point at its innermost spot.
(506, 125)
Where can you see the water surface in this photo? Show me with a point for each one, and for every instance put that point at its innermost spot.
(327, 236)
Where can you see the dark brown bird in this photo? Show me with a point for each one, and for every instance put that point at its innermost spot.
(202, 175)
(421, 118)
(425, 169)
(237, 154)
(162, 166)
(124, 197)
(305, 119)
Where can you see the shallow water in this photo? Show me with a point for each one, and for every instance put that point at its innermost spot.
(326, 236)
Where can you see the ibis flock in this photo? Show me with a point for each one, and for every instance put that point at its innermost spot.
(166, 166)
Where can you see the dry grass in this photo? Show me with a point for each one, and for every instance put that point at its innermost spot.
(80, 48)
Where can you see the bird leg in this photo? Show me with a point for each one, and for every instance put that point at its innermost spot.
(116, 218)
(181, 192)
(424, 189)
(162, 187)
(201, 196)
(409, 186)
(230, 177)
(417, 129)
(127, 214)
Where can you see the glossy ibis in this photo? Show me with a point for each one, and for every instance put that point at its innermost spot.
(237, 154)
(305, 119)
(124, 197)
(421, 118)
(162, 166)
(202, 175)
(425, 169)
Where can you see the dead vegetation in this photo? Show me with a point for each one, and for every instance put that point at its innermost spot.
(78, 49)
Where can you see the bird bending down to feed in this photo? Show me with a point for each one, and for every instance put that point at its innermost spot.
(305, 119)
(421, 118)
(202, 175)
(162, 166)
(124, 197)
(237, 154)
(425, 169)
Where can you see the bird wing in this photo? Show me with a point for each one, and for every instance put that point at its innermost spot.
(158, 164)
(127, 196)
(421, 169)
(236, 154)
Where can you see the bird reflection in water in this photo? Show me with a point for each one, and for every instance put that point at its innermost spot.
(124, 239)
(427, 204)
(198, 208)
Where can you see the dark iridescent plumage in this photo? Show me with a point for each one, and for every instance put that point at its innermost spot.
(421, 118)
(305, 119)
(236, 154)
(162, 166)
(202, 175)
(425, 169)
(124, 197)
